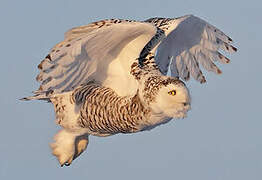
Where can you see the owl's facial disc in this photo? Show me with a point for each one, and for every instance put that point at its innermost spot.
(173, 100)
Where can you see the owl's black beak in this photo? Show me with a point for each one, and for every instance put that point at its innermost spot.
(186, 103)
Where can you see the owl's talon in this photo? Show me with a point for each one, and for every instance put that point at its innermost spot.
(68, 146)
(67, 164)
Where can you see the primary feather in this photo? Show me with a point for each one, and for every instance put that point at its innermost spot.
(191, 41)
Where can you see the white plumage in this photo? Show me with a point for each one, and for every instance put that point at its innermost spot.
(109, 77)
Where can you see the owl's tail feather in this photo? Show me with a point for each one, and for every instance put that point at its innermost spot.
(36, 97)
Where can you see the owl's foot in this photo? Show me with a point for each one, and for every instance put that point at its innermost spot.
(68, 146)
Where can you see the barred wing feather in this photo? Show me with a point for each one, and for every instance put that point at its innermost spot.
(101, 55)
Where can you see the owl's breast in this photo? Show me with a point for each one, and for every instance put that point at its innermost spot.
(154, 120)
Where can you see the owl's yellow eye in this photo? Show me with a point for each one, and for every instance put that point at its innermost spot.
(173, 92)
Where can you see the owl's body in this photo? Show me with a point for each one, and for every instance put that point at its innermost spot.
(92, 109)
(109, 76)
(101, 115)
(102, 112)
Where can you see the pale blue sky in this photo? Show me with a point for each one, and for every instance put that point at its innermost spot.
(220, 139)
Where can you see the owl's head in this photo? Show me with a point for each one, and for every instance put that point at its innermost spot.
(168, 96)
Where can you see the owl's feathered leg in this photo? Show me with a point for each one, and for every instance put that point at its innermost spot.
(68, 146)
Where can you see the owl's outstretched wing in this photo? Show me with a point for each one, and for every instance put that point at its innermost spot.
(191, 41)
(101, 54)
(104, 51)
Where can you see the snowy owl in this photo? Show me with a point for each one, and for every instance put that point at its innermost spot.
(110, 76)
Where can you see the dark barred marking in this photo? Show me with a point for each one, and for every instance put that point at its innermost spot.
(50, 69)
(150, 45)
(162, 23)
(103, 111)
(149, 66)
(159, 21)
(47, 80)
